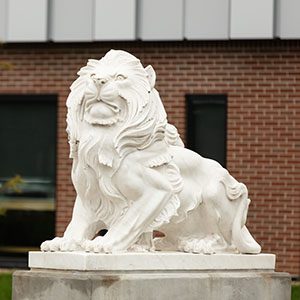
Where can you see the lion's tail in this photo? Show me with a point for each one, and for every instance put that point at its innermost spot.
(241, 237)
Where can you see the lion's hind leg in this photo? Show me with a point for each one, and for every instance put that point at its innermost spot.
(198, 233)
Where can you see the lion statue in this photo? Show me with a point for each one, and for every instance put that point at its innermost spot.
(132, 174)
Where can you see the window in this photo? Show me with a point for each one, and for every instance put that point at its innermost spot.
(27, 171)
(206, 125)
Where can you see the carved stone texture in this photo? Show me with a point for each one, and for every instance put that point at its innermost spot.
(133, 175)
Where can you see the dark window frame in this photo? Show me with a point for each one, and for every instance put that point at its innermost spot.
(191, 101)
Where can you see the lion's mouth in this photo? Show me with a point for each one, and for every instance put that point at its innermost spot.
(99, 102)
(90, 103)
(112, 106)
(99, 111)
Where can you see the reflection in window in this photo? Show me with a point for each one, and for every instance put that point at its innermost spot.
(27, 170)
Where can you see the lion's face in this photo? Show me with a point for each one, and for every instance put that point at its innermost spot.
(104, 105)
(117, 79)
(115, 98)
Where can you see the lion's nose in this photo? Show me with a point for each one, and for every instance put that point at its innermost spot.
(102, 80)
(98, 79)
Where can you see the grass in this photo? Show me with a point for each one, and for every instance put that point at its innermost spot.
(295, 291)
(6, 287)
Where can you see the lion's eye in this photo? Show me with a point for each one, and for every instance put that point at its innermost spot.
(120, 77)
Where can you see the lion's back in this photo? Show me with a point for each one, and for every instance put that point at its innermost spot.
(191, 164)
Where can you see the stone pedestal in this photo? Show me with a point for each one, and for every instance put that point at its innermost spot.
(157, 276)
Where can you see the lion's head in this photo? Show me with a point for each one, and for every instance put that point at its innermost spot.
(116, 94)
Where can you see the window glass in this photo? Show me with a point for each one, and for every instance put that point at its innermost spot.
(206, 125)
(27, 171)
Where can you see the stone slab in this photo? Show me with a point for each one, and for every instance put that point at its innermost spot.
(157, 261)
(200, 285)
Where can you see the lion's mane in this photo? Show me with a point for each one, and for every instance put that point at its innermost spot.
(144, 124)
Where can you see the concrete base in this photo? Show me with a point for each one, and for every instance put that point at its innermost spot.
(155, 276)
(135, 285)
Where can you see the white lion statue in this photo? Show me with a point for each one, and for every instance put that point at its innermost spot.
(133, 175)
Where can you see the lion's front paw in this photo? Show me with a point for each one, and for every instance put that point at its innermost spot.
(97, 245)
(141, 248)
(61, 244)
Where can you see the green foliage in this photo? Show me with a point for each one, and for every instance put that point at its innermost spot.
(295, 292)
(5, 286)
(12, 185)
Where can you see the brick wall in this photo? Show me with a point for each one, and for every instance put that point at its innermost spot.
(262, 81)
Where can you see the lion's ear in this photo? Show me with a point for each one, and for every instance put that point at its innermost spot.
(151, 76)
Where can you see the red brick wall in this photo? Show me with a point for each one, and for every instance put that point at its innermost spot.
(262, 81)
